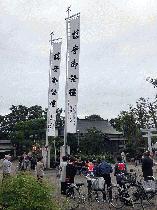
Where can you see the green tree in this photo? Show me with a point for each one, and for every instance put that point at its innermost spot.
(153, 113)
(18, 114)
(94, 117)
(27, 133)
(152, 81)
(126, 123)
(35, 112)
(141, 113)
(32, 130)
(92, 142)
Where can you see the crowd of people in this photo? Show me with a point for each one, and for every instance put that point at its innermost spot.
(69, 167)
(102, 168)
(27, 162)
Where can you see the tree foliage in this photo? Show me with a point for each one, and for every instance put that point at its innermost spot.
(94, 117)
(142, 115)
(152, 81)
(26, 125)
(23, 191)
(92, 142)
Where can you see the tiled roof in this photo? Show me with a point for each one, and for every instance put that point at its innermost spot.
(103, 125)
(5, 141)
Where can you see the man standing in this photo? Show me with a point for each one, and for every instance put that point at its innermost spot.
(147, 166)
(6, 166)
(70, 170)
(63, 165)
(40, 168)
(123, 156)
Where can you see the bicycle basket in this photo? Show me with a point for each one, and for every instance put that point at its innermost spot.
(98, 183)
(149, 186)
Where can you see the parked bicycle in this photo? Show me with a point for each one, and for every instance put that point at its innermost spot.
(133, 193)
(99, 195)
(74, 195)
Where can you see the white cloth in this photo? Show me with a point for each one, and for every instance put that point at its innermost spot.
(6, 166)
(40, 169)
(63, 171)
(123, 156)
(149, 186)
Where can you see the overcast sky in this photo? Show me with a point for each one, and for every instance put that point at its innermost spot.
(118, 52)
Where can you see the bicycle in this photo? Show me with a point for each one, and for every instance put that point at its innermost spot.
(133, 193)
(120, 194)
(143, 194)
(98, 195)
(150, 187)
(93, 188)
(74, 196)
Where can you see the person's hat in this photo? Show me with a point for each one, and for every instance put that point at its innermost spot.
(7, 156)
(147, 153)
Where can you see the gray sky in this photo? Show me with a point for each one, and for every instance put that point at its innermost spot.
(118, 52)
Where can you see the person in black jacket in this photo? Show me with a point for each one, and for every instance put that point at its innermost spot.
(147, 166)
(71, 170)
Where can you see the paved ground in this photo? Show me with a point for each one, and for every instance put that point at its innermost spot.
(51, 176)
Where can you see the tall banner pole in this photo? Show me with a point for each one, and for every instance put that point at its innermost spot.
(66, 88)
(54, 73)
(72, 77)
(73, 71)
(47, 155)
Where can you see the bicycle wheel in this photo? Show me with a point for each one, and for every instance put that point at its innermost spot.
(95, 200)
(147, 199)
(134, 193)
(139, 196)
(150, 196)
(117, 200)
(74, 198)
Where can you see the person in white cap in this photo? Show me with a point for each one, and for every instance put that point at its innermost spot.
(6, 166)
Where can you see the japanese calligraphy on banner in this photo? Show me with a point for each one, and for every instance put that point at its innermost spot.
(55, 58)
(73, 72)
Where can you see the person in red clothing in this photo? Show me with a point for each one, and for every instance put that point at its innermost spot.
(90, 168)
(120, 170)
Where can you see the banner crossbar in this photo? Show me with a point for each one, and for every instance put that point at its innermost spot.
(72, 16)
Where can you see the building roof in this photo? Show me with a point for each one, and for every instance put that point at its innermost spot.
(5, 145)
(103, 125)
(5, 141)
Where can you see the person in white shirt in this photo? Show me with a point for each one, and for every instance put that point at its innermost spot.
(123, 157)
(40, 168)
(6, 166)
(62, 168)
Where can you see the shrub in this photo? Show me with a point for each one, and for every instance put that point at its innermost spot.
(24, 192)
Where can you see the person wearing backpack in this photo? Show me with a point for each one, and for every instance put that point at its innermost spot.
(120, 170)
(104, 170)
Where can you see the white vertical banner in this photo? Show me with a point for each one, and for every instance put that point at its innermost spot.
(73, 71)
(54, 73)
